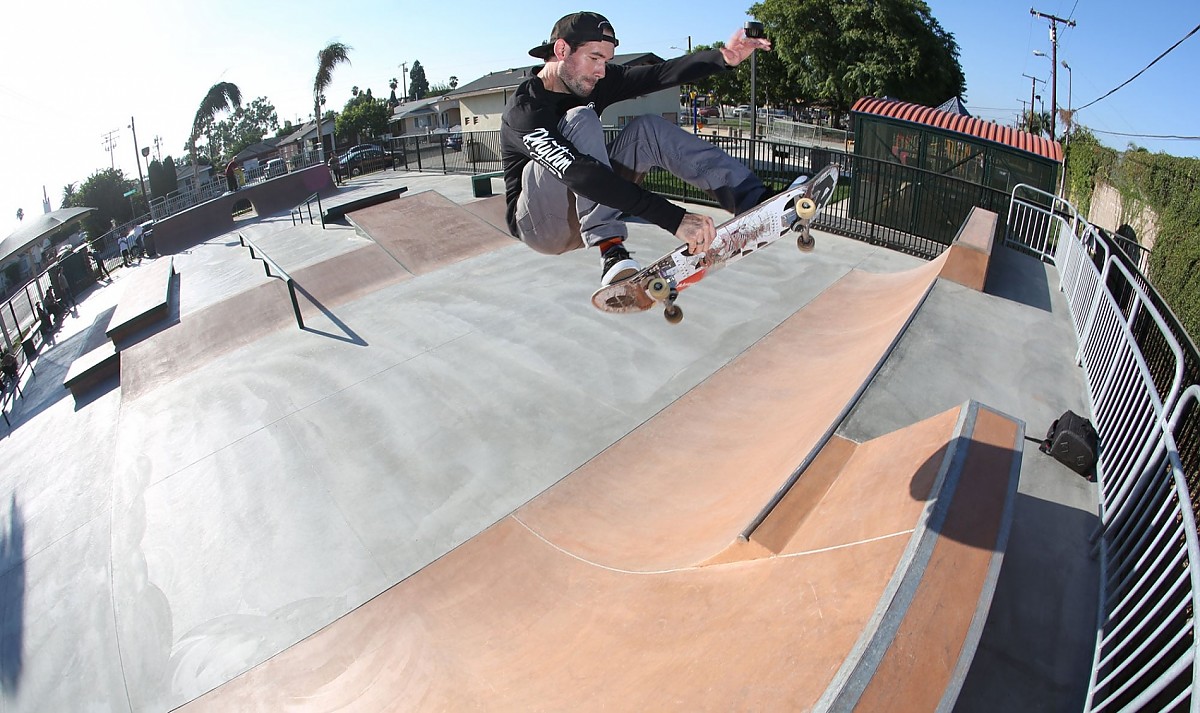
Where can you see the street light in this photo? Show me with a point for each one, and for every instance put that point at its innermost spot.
(1070, 83)
(1062, 187)
(754, 29)
(1053, 82)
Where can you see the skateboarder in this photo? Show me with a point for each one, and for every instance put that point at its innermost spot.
(566, 189)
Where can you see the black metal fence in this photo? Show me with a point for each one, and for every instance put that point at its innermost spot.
(1160, 360)
(884, 203)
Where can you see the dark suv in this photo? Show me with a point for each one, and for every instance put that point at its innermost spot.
(364, 158)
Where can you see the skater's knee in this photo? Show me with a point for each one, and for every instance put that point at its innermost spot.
(581, 116)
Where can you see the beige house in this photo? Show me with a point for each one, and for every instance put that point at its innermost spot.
(481, 103)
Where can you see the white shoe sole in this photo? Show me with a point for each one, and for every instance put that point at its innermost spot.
(621, 271)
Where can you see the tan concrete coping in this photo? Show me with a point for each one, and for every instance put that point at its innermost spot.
(971, 250)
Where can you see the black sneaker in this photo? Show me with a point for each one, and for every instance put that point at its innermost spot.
(618, 265)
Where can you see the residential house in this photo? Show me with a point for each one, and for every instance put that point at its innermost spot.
(259, 153)
(482, 102)
(186, 183)
(430, 115)
(304, 140)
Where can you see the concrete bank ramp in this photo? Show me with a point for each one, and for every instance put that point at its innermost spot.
(426, 231)
(629, 584)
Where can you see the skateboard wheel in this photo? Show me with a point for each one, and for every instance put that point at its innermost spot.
(658, 288)
(805, 242)
(673, 314)
(806, 208)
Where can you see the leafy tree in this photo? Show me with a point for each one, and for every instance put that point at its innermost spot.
(162, 177)
(327, 59)
(104, 191)
(248, 125)
(418, 86)
(170, 177)
(362, 119)
(68, 195)
(1035, 122)
(154, 175)
(221, 96)
(837, 52)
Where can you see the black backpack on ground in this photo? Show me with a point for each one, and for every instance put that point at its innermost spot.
(1072, 440)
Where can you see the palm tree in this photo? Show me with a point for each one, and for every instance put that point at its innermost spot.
(453, 82)
(68, 195)
(221, 96)
(327, 59)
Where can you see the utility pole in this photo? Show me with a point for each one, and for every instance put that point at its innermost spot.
(1032, 100)
(110, 145)
(158, 147)
(404, 80)
(138, 156)
(1054, 20)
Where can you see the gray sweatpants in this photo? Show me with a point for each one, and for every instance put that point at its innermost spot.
(551, 219)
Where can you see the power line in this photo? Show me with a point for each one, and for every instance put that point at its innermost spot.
(1146, 136)
(1127, 81)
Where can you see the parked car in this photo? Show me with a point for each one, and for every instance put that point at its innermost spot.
(359, 160)
(709, 111)
(275, 167)
(454, 141)
(742, 111)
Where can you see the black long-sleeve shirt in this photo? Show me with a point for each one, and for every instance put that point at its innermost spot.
(529, 132)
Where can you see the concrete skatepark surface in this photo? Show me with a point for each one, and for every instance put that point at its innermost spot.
(251, 492)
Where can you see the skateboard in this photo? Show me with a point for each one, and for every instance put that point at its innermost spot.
(793, 210)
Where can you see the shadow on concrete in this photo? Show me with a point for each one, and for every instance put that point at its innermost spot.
(12, 591)
(349, 336)
(1041, 628)
(44, 387)
(1018, 277)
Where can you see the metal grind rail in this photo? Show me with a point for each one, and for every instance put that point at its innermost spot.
(256, 253)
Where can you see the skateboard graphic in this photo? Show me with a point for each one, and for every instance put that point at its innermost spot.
(793, 210)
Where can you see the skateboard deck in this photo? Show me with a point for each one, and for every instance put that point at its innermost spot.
(661, 281)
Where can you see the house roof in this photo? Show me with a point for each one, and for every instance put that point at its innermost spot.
(967, 125)
(42, 226)
(514, 77)
(428, 105)
(327, 127)
(261, 148)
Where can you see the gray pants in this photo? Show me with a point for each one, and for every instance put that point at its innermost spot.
(553, 220)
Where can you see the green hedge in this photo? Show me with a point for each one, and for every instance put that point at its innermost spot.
(1169, 186)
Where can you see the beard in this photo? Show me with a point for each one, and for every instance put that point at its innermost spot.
(580, 86)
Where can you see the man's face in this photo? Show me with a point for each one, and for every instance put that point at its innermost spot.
(584, 66)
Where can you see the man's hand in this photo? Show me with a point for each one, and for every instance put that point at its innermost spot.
(740, 47)
(697, 231)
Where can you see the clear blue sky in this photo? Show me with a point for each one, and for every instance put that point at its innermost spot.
(77, 70)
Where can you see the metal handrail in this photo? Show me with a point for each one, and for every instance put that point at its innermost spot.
(256, 253)
(300, 207)
(1146, 643)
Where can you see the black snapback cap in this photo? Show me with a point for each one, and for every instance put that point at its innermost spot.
(577, 28)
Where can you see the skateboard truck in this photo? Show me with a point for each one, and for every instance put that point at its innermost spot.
(806, 208)
(664, 290)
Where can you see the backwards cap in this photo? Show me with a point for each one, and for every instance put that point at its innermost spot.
(577, 28)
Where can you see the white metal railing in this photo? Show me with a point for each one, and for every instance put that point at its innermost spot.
(1147, 544)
